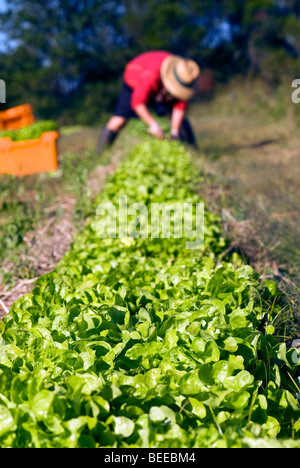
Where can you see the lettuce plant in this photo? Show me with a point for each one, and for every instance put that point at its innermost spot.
(32, 132)
(141, 342)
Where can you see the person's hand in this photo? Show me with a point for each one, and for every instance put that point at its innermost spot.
(156, 130)
(174, 135)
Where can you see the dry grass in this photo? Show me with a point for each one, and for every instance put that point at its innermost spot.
(252, 178)
(45, 245)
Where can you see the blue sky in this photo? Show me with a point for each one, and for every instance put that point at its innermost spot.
(2, 4)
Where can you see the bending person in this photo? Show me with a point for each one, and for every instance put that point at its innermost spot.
(161, 80)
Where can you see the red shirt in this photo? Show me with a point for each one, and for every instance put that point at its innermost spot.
(142, 74)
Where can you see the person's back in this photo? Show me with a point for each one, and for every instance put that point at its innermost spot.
(145, 67)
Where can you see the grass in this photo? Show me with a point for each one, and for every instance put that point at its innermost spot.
(41, 213)
(28, 202)
(249, 140)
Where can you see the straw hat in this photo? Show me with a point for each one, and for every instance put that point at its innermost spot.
(179, 76)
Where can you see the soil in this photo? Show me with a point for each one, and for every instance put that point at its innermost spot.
(48, 243)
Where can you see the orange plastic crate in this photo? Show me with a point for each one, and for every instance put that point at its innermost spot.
(29, 157)
(17, 117)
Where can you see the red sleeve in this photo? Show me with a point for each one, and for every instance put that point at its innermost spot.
(181, 105)
(142, 93)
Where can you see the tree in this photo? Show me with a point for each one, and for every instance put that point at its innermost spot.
(266, 33)
(71, 53)
(67, 42)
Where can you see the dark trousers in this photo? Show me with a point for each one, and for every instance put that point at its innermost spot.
(186, 133)
(123, 109)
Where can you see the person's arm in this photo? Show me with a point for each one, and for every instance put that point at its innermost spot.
(139, 100)
(176, 122)
(144, 114)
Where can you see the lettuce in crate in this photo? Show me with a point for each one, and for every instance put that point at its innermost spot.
(32, 132)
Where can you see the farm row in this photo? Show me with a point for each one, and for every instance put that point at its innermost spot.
(141, 342)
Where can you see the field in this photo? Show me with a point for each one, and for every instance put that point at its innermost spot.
(248, 145)
(144, 342)
(249, 140)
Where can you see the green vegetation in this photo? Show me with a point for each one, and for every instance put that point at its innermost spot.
(31, 132)
(67, 58)
(142, 342)
(30, 202)
(249, 142)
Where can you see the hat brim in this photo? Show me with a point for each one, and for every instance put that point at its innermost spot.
(172, 85)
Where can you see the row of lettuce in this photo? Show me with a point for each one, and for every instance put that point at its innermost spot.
(142, 342)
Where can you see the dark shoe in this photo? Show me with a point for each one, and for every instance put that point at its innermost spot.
(107, 137)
